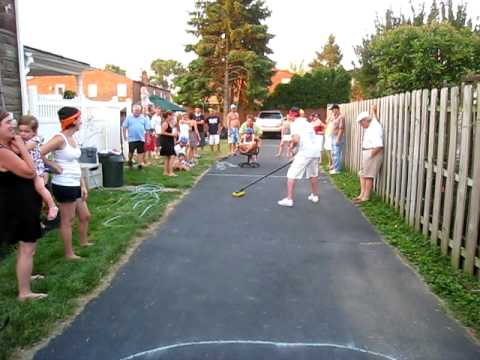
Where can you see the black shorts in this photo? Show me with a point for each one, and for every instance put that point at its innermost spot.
(136, 145)
(66, 194)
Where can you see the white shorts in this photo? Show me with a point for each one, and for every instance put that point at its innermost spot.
(302, 164)
(287, 138)
(327, 145)
(214, 139)
(321, 140)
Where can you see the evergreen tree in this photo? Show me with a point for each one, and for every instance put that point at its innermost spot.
(232, 50)
(330, 57)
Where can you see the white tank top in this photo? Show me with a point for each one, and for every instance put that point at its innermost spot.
(184, 128)
(67, 158)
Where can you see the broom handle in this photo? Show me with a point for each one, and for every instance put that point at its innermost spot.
(264, 176)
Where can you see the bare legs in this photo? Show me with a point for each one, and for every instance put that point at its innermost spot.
(24, 267)
(168, 164)
(366, 186)
(67, 215)
(40, 188)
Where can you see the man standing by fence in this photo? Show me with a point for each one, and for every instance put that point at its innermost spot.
(337, 138)
(372, 153)
(134, 128)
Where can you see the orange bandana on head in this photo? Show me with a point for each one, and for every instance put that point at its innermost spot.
(69, 121)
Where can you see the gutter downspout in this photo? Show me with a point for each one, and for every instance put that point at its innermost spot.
(21, 63)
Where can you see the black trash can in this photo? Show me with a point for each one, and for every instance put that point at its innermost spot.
(112, 169)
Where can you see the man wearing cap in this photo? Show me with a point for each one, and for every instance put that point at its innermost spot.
(372, 153)
(306, 159)
(233, 126)
(337, 138)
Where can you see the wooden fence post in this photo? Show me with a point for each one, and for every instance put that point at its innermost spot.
(471, 239)
(463, 176)
(449, 186)
(431, 146)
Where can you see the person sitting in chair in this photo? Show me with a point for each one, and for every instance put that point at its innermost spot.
(247, 143)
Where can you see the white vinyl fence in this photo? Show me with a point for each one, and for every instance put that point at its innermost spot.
(101, 122)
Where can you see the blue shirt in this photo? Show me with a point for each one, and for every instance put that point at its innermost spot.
(136, 127)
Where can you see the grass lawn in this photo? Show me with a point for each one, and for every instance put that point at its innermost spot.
(459, 292)
(118, 217)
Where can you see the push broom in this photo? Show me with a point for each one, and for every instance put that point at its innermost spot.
(240, 193)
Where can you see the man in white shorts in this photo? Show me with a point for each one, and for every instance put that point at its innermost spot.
(214, 129)
(306, 159)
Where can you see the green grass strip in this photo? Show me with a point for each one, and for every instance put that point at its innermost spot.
(65, 282)
(459, 291)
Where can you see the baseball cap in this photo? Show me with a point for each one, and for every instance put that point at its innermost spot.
(233, 106)
(362, 116)
(334, 106)
(294, 111)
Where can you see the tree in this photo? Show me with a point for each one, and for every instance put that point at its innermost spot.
(298, 68)
(165, 72)
(194, 85)
(313, 90)
(330, 57)
(115, 69)
(415, 51)
(437, 54)
(232, 50)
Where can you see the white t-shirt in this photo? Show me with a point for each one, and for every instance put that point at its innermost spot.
(373, 135)
(156, 123)
(309, 145)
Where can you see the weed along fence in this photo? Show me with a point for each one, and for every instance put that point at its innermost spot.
(431, 169)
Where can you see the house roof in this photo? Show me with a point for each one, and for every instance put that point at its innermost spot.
(44, 63)
(165, 104)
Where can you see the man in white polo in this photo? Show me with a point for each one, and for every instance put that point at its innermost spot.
(372, 153)
(306, 159)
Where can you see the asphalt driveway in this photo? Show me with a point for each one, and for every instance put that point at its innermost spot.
(228, 278)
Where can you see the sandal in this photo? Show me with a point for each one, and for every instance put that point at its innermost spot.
(32, 296)
(37, 277)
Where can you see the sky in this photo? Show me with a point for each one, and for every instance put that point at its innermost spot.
(131, 34)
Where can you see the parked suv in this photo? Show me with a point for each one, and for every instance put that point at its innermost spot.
(270, 121)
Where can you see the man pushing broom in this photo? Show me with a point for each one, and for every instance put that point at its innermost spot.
(306, 159)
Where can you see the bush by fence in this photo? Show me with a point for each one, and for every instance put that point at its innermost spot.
(431, 170)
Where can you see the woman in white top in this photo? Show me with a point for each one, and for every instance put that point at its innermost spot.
(68, 186)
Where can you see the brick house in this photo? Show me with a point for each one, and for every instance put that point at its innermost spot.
(99, 85)
(280, 77)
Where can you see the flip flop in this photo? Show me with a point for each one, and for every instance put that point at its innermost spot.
(32, 296)
(37, 277)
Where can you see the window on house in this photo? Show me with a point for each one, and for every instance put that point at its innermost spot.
(122, 90)
(92, 90)
(59, 89)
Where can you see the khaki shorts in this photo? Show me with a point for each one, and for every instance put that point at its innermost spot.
(370, 166)
(302, 164)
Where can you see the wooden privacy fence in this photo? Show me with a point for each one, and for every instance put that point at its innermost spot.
(431, 169)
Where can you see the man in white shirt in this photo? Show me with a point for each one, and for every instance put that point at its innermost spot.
(306, 158)
(372, 153)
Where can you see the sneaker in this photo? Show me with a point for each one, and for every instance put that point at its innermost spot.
(286, 202)
(313, 198)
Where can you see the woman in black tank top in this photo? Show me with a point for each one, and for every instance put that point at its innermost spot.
(167, 143)
(20, 205)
